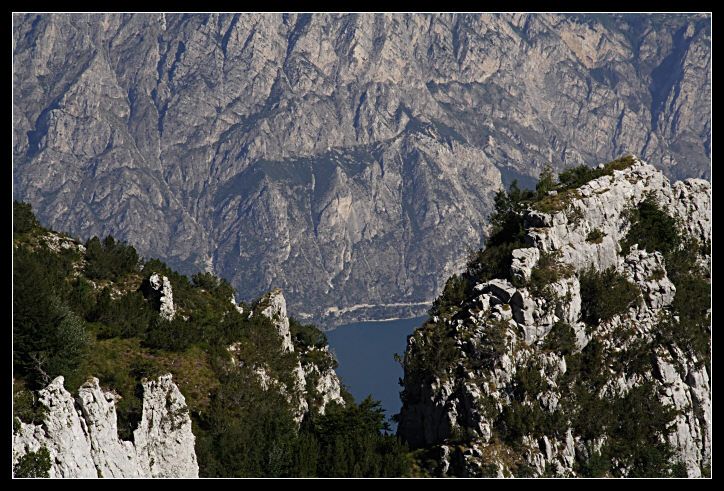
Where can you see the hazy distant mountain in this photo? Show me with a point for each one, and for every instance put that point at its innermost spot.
(349, 159)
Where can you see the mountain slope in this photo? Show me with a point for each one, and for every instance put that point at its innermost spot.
(348, 159)
(125, 368)
(577, 343)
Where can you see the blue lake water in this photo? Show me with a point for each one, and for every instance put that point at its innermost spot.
(365, 353)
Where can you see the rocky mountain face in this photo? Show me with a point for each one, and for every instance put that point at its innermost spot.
(348, 159)
(523, 377)
(81, 433)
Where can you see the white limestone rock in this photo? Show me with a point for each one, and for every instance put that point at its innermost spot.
(468, 395)
(82, 435)
(275, 308)
(162, 285)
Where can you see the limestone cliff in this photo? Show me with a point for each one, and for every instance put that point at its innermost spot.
(82, 437)
(522, 376)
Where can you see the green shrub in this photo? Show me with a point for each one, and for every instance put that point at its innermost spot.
(546, 272)
(546, 182)
(605, 294)
(26, 406)
(127, 316)
(219, 287)
(578, 176)
(433, 352)
(33, 464)
(24, 220)
(595, 236)
(456, 290)
(109, 259)
(306, 335)
(561, 339)
(651, 228)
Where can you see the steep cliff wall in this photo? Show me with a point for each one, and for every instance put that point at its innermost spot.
(349, 159)
(81, 434)
(581, 360)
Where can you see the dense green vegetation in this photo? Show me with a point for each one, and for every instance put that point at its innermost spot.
(94, 314)
(605, 294)
(508, 232)
(33, 464)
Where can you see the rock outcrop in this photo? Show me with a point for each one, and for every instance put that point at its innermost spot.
(81, 434)
(348, 158)
(313, 387)
(162, 286)
(507, 354)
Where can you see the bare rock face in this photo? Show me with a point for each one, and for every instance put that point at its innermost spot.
(82, 435)
(164, 441)
(451, 407)
(348, 158)
(162, 286)
(275, 308)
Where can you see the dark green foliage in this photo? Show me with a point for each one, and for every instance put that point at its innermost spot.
(494, 343)
(546, 182)
(81, 297)
(33, 464)
(561, 339)
(27, 408)
(605, 294)
(352, 442)
(218, 287)
(49, 339)
(691, 304)
(528, 381)
(524, 470)
(595, 236)
(433, 353)
(639, 419)
(651, 228)
(633, 423)
(250, 432)
(109, 259)
(507, 234)
(578, 176)
(547, 271)
(309, 343)
(457, 288)
(679, 470)
(171, 335)
(306, 335)
(654, 230)
(24, 220)
(125, 317)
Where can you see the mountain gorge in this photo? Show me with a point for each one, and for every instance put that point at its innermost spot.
(349, 159)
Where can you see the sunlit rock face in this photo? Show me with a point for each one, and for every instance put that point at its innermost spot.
(349, 159)
(452, 410)
(81, 433)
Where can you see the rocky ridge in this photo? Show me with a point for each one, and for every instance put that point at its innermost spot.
(336, 155)
(505, 340)
(310, 382)
(82, 437)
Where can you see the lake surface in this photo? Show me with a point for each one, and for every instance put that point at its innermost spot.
(365, 353)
